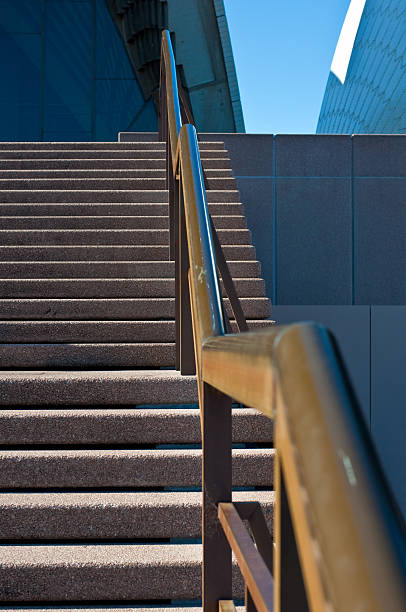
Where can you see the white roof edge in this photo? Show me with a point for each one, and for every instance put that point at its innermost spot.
(229, 65)
(345, 45)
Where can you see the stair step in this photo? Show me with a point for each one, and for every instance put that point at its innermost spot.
(97, 331)
(110, 269)
(92, 173)
(110, 288)
(110, 515)
(103, 572)
(108, 253)
(118, 468)
(92, 355)
(94, 146)
(107, 209)
(29, 154)
(109, 222)
(96, 426)
(67, 196)
(91, 388)
(122, 183)
(100, 164)
(71, 237)
(132, 309)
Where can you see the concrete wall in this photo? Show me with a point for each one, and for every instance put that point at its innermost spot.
(328, 218)
(327, 213)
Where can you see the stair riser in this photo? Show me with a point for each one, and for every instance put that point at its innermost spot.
(150, 269)
(142, 288)
(106, 237)
(109, 515)
(124, 468)
(108, 222)
(107, 253)
(113, 210)
(118, 426)
(119, 195)
(91, 332)
(116, 309)
(101, 164)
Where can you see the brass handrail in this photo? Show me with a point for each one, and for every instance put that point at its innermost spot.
(351, 540)
(340, 543)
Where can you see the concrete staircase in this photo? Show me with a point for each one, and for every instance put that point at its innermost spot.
(99, 435)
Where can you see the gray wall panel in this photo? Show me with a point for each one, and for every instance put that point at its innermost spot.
(379, 155)
(308, 155)
(257, 197)
(388, 401)
(351, 326)
(313, 241)
(380, 241)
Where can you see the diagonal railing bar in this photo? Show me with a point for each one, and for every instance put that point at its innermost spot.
(181, 111)
(339, 541)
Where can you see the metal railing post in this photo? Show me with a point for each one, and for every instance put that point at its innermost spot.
(216, 486)
(183, 310)
(290, 593)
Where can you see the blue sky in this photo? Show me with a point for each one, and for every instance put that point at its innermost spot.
(283, 52)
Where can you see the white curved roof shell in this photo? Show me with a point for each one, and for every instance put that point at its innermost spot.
(345, 44)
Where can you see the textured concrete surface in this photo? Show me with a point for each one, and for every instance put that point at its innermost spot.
(83, 387)
(110, 309)
(109, 515)
(137, 222)
(31, 469)
(86, 283)
(122, 426)
(107, 253)
(110, 269)
(107, 208)
(96, 331)
(95, 355)
(107, 236)
(111, 287)
(112, 571)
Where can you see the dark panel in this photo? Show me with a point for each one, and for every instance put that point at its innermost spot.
(389, 394)
(307, 155)
(116, 103)
(380, 241)
(314, 253)
(20, 16)
(68, 67)
(20, 100)
(350, 325)
(111, 59)
(380, 155)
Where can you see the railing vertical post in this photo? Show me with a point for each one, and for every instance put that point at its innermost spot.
(289, 586)
(183, 310)
(171, 200)
(217, 486)
(176, 257)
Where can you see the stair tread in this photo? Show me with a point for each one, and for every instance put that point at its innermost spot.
(135, 425)
(84, 387)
